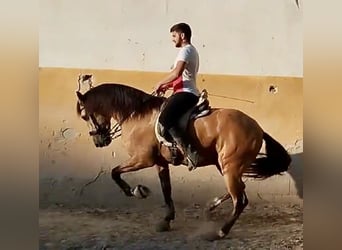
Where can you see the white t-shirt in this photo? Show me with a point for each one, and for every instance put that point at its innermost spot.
(188, 54)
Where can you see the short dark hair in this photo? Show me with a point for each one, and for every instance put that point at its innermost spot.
(182, 28)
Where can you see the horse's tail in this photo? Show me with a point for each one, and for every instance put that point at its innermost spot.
(276, 161)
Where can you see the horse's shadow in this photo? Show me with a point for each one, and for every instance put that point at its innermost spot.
(296, 172)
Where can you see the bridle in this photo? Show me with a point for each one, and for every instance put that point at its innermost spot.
(115, 131)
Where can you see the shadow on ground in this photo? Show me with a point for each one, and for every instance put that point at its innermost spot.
(296, 172)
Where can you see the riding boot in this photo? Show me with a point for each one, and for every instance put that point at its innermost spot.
(190, 152)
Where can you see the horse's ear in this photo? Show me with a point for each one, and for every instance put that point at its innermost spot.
(86, 77)
(80, 96)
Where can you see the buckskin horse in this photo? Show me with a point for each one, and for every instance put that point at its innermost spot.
(227, 138)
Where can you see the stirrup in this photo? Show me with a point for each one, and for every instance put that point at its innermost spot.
(192, 163)
(173, 150)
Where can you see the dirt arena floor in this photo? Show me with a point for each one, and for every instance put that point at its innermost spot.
(263, 225)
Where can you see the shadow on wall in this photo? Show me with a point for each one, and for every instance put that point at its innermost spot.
(296, 172)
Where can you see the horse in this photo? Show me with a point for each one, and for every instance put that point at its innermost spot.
(227, 138)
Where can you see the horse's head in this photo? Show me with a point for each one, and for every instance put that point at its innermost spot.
(99, 125)
(111, 100)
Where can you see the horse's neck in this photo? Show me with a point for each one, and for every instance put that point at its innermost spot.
(133, 124)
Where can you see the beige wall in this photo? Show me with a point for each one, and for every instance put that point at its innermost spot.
(245, 47)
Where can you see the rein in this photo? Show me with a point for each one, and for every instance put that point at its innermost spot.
(117, 127)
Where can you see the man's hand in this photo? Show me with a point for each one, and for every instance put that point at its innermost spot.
(162, 88)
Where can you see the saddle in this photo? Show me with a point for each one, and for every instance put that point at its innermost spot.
(202, 108)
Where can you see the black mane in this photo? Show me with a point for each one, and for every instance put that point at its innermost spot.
(120, 101)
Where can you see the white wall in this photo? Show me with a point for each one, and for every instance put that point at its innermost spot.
(262, 37)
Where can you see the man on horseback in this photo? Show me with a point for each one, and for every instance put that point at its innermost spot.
(182, 79)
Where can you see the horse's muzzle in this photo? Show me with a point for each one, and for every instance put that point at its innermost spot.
(101, 140)
(99, 145)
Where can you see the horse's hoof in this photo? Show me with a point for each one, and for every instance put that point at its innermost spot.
(141, 191)
(163, 226)
(211, 236)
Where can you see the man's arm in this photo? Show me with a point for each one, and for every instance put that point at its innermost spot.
(173, 75)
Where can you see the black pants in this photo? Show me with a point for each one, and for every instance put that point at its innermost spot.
(177, 105)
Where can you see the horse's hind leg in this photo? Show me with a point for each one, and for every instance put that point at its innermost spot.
(164, 177)
(214, 204)
(235, 187)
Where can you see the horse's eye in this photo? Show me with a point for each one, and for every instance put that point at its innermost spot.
(91, 133)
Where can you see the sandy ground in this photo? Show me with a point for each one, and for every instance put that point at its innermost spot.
(261, 226)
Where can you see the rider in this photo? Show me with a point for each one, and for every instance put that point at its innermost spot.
(182, 79)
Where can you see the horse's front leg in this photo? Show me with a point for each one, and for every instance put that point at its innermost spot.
(164, 177)
(131, 165)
